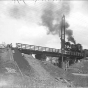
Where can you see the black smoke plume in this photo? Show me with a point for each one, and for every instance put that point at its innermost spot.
(70, 37)
(52, 16)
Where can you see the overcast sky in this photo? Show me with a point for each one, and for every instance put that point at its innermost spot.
(23, 23)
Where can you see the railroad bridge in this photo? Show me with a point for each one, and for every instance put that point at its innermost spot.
(32, 49)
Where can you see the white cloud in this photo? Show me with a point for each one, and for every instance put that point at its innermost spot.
(79, 24)
(25, 30)
(21, 31)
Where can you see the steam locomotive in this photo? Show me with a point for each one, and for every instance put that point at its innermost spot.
(73, 47)
(76, 48)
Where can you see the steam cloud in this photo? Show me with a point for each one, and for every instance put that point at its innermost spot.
(17, 12)
(25, 12)
(69, 33)
(51, 18)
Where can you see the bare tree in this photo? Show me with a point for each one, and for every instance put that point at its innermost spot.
(19, 1)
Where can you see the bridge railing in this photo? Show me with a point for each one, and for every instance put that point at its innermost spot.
(46, 49)
(37, 48)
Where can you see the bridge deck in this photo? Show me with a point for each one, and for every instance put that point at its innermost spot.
(32, 49)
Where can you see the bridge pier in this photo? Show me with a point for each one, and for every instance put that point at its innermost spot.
(40, 56)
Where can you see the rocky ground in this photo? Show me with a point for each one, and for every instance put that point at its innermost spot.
(17, 71)
(78, 73)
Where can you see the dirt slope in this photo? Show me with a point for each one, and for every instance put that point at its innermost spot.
(78, 73)
(43, 75)
(53, 70)
(27, 73)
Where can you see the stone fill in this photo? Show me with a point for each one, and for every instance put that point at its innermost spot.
(25, 72)
(78, 73)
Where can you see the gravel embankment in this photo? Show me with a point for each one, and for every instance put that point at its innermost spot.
(27, 72)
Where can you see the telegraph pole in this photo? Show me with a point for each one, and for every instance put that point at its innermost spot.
(62, 38)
